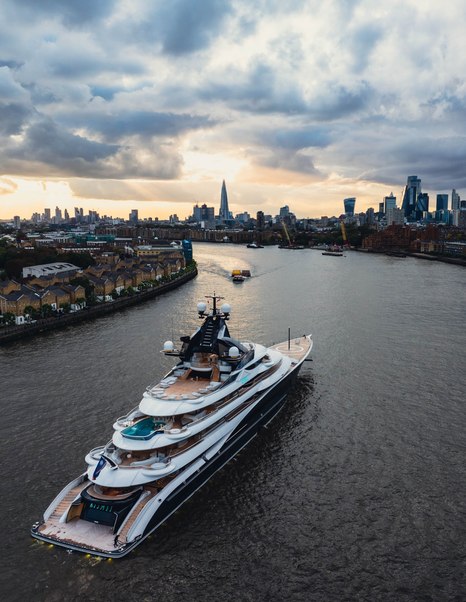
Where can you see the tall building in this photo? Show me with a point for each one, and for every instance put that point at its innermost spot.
(422, 205)
(284, 211)
(370, 217)
(17, 222)
(411, 192)
(134, 216)
(442, 202)
(260, 220)
(224, 213)
(395, 216)
(196, 213)
(389, 202)
(455, 200)
(349, 204)
(47, 215)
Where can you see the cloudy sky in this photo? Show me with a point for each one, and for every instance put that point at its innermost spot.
(150, 104)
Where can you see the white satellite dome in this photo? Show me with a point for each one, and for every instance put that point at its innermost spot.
(233, 352)
(168, 346)
(226, 308)
(201, 307)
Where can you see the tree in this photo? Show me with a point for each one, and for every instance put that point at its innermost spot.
(86, 284)
(9, 318)
(31, 311)
(46, 310)
(65, 307)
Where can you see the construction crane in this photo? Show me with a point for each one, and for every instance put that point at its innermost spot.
(343, 234)
(287, 235)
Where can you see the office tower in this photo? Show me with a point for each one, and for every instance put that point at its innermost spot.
(411, 192)
(395, 216)
(389, 201)
(67, 215)
(422, 205)
(197, 213)
(207, 213)
(349, 204)
(47, 215)
(58, 216)
(455, 200)
(133, 216)
(224, 211)
(442, 202)
(284, 211)
(17, 222)
(370, 217)
(260, 218)
(381, 207)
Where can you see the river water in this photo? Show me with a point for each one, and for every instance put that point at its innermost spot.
(356, 491)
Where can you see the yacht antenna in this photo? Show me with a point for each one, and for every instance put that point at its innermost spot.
(214, 298)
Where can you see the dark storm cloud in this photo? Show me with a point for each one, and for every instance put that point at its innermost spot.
(180, 26)
(362, 43)
(337, 102)
(258, 91)
(40, 95)
(297, 161)
(11, 64)
(296, 138)
(46, 142)
(145, 124)
(105, 92)
(71, 12)
(13, 117)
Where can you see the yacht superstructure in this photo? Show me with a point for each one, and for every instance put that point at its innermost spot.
(186, 427)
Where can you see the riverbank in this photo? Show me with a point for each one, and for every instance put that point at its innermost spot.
(13, 333)
(441, 258)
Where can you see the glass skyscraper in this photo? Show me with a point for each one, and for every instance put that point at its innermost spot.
(224, 213)
(411, 192)
(389, 202)
(442, 202)
(349, 204)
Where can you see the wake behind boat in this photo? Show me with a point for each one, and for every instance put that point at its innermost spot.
(186, 427)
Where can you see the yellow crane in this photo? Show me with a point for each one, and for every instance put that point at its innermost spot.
(343, 234)
(287, 235)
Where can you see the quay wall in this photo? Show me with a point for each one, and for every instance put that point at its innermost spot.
(13, 333)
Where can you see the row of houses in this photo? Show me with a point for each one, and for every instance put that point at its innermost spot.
(18, 298)
(49, 284)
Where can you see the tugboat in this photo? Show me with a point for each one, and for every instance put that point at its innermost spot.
(185, 428)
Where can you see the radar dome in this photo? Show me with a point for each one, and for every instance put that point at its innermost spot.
(201, 307)
(226, 308)
(233, 352)
(168, 346)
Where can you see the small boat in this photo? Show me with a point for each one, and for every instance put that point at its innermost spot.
(238, 278)
(291, 247)
(333, 253)
(187, 426)
(254, 245)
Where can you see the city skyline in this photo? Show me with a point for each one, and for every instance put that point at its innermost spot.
(115, 106)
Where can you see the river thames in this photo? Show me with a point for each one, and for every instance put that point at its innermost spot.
(356, 491)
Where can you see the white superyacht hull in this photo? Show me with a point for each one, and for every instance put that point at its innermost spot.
(154, 505)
